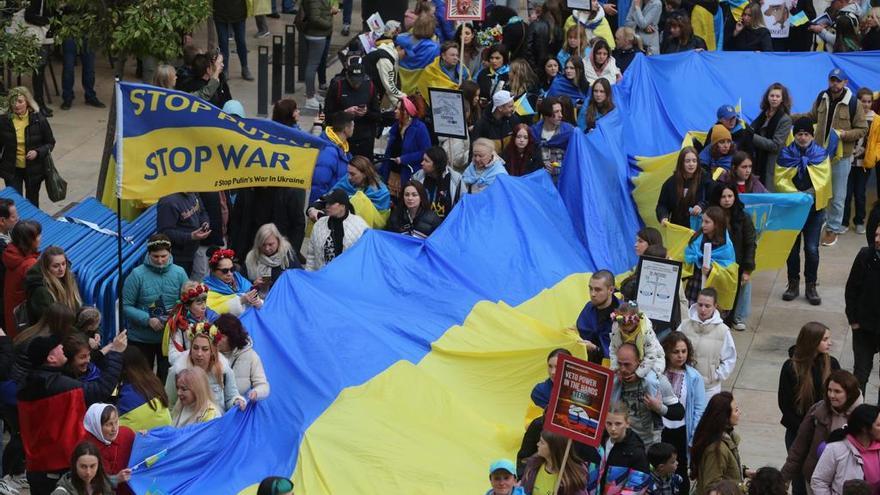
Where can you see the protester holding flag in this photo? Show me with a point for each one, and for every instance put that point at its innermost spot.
(572, 82)
(521, 155)
(142, 402)
(408, 139)
(228, 290)
(335, 231)
(715, 158)
(742, 233)
(148, 296)
(601, 103)
(552, 134)
(204, 354)
(413, 216)
(366, 191)
(420, 51)
(86, 475)
(686, 193)
(236, 345)
(718, 272)
(195, 402)
(485, 167)
(740, 175)
(449, 64)
(192, 308)
(51, 280)
(113, 441)
(804, 166)
(26, 143)
(442, 183)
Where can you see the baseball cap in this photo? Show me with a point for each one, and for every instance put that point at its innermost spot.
(501, 98)
(838, 74)
(503, 464)
(725, 112)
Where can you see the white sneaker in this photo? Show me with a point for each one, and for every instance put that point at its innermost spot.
(739, 326)
(8, 488)
(319, 97)
(860, 228)
(844, 230)
(312, 103)
(21, 481)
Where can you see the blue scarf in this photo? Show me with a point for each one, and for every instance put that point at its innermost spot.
(216, 285)
(723, 254)
(794, 156)
(564, 87)
(710, 163)
(487, 176)
(559, 140)
(379, 196)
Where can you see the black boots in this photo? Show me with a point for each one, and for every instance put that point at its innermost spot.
(793, 290)
(812, 295)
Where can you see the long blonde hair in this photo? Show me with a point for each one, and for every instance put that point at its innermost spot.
(522, 78)
(195, 380)
(64, 290)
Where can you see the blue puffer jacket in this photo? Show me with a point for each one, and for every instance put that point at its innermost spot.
(147, 288)
(416, 140)
(332, 165)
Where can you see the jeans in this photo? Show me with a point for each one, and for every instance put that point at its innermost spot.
(798, 483)
(262, 23)
(743, 303)
(68, 72)
(314, 51)
(810, 235)
(39, 76)
(153, 352)
(322, 67)
(286, 6)
(865, 343)
(347, 5)
(855, 189)
(839, 174)
(22, 181)
(238, 30)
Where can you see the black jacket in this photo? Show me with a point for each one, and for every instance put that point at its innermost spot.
(289, 205)
(672, 45)
(425, 222)
(535, 162)
(341, 95)
(668, 204)
(748, 40)
(862, 294)
(177, 216)
(543, 41)
(529, 447)
(630, 453)
(211, 204)
(37, 136)
(498, 130)
(192, 84)
(625, 57)
(45, 382)
(256, 206)
(742, 234)
(788, 384)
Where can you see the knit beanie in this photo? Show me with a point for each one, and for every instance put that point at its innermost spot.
(803, 124)
(720, 133)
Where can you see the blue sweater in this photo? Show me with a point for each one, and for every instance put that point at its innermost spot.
(590, 329)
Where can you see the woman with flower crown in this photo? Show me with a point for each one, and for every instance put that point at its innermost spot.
(228, 290)
(203, 354)
(192, 308)
(149, 293)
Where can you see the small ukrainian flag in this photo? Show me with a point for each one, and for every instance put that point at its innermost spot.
(523, 107)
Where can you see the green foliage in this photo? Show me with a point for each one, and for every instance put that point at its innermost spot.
(19, 50)
(141, 28)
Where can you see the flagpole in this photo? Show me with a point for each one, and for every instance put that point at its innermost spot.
(119, 284)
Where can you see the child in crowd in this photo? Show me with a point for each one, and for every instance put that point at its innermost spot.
(717, 157)
(714, 351)
(631, 326)
(664, 464)
(502, 476)
(624, 462)
(541, 391)
(741, 176)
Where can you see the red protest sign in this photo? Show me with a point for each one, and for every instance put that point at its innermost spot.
(580, 400)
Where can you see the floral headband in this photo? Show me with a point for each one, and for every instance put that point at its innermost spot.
(192, 294)
(159, 244)
(203, 328)
(221, 254)
(628, 317)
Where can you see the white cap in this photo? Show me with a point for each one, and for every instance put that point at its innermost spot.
(501, 98)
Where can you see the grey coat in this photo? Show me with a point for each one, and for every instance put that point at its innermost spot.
(772, 146)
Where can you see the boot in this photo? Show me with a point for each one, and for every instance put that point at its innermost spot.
(812, 295)
(793, 290)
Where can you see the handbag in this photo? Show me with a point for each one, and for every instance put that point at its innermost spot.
(20, 316)
(56, 186)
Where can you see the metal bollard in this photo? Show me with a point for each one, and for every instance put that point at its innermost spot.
(289, 58)
(277, 66)
(263, 81)
(301, 53)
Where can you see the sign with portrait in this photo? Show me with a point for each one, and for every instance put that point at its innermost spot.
(659, 280)
(465, 10)
(776, 17)
(447, 109)
(580, 400)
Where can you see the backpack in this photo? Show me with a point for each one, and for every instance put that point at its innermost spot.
(371, 62)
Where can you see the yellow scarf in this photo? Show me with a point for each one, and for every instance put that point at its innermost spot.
(637, 337)
(336, 140)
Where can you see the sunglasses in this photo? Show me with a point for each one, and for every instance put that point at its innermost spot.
(226, 270)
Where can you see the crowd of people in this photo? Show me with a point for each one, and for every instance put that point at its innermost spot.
(72, 404)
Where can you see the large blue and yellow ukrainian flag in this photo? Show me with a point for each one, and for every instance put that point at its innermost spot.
(420, 68)
(405, 366)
